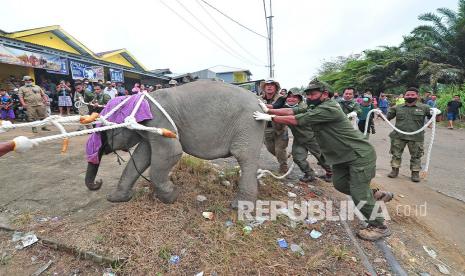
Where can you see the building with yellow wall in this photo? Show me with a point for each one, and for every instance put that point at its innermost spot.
(51, 52)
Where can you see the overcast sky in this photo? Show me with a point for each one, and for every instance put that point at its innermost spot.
(306, 32)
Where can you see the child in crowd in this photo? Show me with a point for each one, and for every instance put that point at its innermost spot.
(366, 106)
(6, 106)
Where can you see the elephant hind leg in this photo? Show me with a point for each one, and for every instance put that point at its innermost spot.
(165, 154)
(247, 157)
(139, 162)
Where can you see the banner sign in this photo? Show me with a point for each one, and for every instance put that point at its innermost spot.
(116, 75)
(81, 71)
(53, 64)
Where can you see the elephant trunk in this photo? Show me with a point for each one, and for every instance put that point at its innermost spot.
(91, 173)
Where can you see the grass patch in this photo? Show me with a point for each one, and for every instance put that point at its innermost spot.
(147, 233)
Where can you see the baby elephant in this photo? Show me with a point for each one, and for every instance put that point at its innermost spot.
(214, 120)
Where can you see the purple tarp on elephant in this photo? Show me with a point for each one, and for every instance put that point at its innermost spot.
(94, 142)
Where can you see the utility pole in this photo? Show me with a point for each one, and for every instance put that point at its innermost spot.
(270, 43)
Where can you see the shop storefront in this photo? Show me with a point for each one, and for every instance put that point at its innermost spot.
(50, 53)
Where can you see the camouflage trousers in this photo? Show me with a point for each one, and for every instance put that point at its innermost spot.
(300, 153)
(277, 144)
(416, 152)
(353, 178)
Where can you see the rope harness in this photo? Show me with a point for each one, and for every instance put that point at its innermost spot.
(22, 144)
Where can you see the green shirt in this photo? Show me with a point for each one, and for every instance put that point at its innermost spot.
(338, 139)
(101, 99)
(302, 134)
(350, 106)
(409, 119)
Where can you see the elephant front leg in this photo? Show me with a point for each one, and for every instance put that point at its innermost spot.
(164, 157)
(139, 162)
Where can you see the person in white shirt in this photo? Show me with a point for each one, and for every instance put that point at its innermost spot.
(110, 90)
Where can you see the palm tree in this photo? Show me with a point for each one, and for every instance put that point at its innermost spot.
(438, 47)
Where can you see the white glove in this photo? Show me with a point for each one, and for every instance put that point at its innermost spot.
(23, 144)
(352, 114)
(262, 116)
(437, 111)
(263, 106)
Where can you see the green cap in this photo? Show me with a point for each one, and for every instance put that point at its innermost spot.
(314, 85)
(295, 91)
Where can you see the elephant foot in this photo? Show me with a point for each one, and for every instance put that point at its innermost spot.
(94, 186)
(118, 196)
(246, 199)
(168, 197)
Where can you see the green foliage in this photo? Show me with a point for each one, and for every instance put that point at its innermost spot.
(447, 93)
(433, 54)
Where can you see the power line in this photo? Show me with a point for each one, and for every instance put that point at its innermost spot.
(266, 19)
(230, 36)
(225, 15)
(195, 28)
(214, 35)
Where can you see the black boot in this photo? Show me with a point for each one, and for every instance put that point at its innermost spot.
(307, 178)
(394, 173)
(415, 176)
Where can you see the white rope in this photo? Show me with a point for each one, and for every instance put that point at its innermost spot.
(81, 102)
(432, 121)
(46, 121)
(261, 173)
(163, 111)
(23, 143)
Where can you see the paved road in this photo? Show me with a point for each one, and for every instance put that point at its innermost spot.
(447, 168)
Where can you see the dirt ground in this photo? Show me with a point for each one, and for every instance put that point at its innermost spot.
(44, 192)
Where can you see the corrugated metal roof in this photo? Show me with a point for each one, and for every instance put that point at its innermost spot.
(228, 69)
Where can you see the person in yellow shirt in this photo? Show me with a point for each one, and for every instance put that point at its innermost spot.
(400, 100)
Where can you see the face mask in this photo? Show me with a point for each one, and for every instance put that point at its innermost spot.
(291, 105)
(29, 84)
(410, 100)
(314, 102)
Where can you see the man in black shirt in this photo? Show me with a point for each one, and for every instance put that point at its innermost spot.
(453, 110)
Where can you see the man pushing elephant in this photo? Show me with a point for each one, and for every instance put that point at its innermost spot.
(352, 157)
(276, 136)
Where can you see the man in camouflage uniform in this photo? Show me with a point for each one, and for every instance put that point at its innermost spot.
(352, 157)
(81, 93)
(348, 104)
(33, 99)
(276, 136)
(410, 117)
(100, 99)
(304, 140)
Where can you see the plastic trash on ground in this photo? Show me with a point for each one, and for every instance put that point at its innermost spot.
(282, 243)
(26, 239)
(315, 234)
(175, 259)
(208, 215)
(430, 252)
(297, 249)
(201, 198)
(247, 229)
(443, 269)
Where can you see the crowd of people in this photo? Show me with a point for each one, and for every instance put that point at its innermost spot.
(25, 100)
(318, 120)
